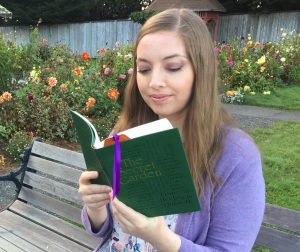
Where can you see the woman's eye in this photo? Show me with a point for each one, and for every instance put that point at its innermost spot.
(143, 70)
(174, 69)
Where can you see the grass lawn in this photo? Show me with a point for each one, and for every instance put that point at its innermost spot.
(280, 149)
(283, 98)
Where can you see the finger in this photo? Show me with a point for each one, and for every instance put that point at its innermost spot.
(85, 177)
(94, 198)
(97, 205)
(93, 189)
(126, 211)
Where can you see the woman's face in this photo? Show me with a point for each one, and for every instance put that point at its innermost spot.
(165, 75)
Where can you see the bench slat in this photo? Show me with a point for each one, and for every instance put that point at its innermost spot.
(37, 235)
(277, 240)
(55, 224)
(55, 169)
(53, 205)
(13, 239)
(282, 217)
(60, 154)
(9, 246)
(58, 189)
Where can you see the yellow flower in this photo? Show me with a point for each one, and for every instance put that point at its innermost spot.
(246, 60)
(262, 69)
(261, 60)
(247, 88)
(249, 43)
(245, 49)
(266, 92)
(252, 93)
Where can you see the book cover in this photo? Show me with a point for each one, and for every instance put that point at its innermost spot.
(155, 179)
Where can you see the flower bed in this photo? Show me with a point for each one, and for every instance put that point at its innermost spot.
(40, 83)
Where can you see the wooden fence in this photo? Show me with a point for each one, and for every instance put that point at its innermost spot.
(79, 37)
(262, 27)
(92, 36)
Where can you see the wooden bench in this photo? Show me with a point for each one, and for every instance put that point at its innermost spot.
(46, 213)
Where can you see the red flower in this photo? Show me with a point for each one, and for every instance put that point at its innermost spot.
(113, 93)
(85, 56)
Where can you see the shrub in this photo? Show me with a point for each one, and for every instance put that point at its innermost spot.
(141, 16)
(260, 66)
(16, 145)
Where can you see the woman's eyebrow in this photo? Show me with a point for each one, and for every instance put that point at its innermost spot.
(165, 58)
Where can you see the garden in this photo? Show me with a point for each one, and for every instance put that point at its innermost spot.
(40, 83)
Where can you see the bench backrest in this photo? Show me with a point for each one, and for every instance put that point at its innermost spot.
(49, 194)
(51, 182)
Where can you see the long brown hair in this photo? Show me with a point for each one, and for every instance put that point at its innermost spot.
(203, 131)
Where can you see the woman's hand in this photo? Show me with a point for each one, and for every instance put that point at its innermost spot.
(153, 230)
(95, 198)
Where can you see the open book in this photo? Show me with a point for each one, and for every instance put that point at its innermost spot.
(155, 179)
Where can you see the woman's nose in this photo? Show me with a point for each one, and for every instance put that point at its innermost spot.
(157, 79)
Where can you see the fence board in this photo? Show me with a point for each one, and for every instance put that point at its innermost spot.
(91, 36)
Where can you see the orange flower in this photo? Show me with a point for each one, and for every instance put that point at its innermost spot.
(113, 93)
(230, 93)
(2, 159)
(31, 135)
(90, 103)
(52, 81)
(1, 100)
(63, 87)
(101, 51)
(85, 56)
(7, 96)
(77, 71)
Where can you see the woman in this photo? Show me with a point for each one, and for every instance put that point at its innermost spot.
(175, 76)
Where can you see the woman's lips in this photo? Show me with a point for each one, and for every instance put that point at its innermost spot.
(159, 98)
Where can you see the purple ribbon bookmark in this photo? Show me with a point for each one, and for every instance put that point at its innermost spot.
(117, 166)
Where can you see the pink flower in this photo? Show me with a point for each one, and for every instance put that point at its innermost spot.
(230, 61)
(218, 50)
(117, 44)
(122, 76)
(107, 71)
(130, 71)
(226, 47)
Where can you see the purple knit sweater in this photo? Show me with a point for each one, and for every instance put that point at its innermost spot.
(231, 213)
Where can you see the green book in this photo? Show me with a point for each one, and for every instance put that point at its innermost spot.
(155, 179)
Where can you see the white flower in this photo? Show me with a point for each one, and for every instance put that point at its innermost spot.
(267, 93)
(283, 34)
(283, 60)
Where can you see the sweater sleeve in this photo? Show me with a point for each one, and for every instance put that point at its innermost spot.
(106, 228)
(237, 205)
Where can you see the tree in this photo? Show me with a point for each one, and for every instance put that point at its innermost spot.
(62, 11)
(242, 6)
